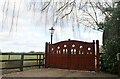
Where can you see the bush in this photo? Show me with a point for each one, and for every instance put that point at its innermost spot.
(109, 64)
(109, 59)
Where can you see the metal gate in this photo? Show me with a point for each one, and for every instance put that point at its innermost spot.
(72, 54)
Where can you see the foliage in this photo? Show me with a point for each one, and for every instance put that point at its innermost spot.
(109, 64)
(111, 40)
(109, 57)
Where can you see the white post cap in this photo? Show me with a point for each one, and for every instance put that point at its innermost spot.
(118, 56)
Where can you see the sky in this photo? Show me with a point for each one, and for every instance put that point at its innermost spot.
(30, 34)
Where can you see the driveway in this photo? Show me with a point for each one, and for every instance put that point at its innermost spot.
(52, 72)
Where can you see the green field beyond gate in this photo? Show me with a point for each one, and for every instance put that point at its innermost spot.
(20, 60)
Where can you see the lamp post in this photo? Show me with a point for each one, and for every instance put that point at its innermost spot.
(51, 31)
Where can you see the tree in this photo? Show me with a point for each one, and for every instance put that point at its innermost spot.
(111, 39)
(78, 13)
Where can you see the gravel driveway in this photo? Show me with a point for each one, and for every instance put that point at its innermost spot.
(52, 72)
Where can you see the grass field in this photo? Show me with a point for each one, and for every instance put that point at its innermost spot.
(12, 57)
(17, 63)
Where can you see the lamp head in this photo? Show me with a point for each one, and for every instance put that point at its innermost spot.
(52, 30)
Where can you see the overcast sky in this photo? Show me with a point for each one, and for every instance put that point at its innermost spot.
(31, 33)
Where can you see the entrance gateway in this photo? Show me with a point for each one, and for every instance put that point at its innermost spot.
(73, 54)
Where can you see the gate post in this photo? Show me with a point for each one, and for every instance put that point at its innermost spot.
(46, 56)
(118, 59)
(119, 68)
(97, 56)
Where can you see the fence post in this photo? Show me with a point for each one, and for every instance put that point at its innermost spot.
(9, 57)
(97, 56)
(21, 62)
(39, 61)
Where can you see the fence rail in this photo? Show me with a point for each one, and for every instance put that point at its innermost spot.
(39, 59)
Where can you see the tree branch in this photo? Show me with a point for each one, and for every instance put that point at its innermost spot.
(46, 5)
(13, 15)
(94, 12)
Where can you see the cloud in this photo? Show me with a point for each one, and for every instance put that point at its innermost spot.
(31, 33)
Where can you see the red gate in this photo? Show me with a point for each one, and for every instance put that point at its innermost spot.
(72, 54)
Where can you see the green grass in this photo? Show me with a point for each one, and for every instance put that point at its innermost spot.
(7, 57)
(18, 57)
(13, 57)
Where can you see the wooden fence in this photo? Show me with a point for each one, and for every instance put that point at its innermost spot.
(19, 62)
